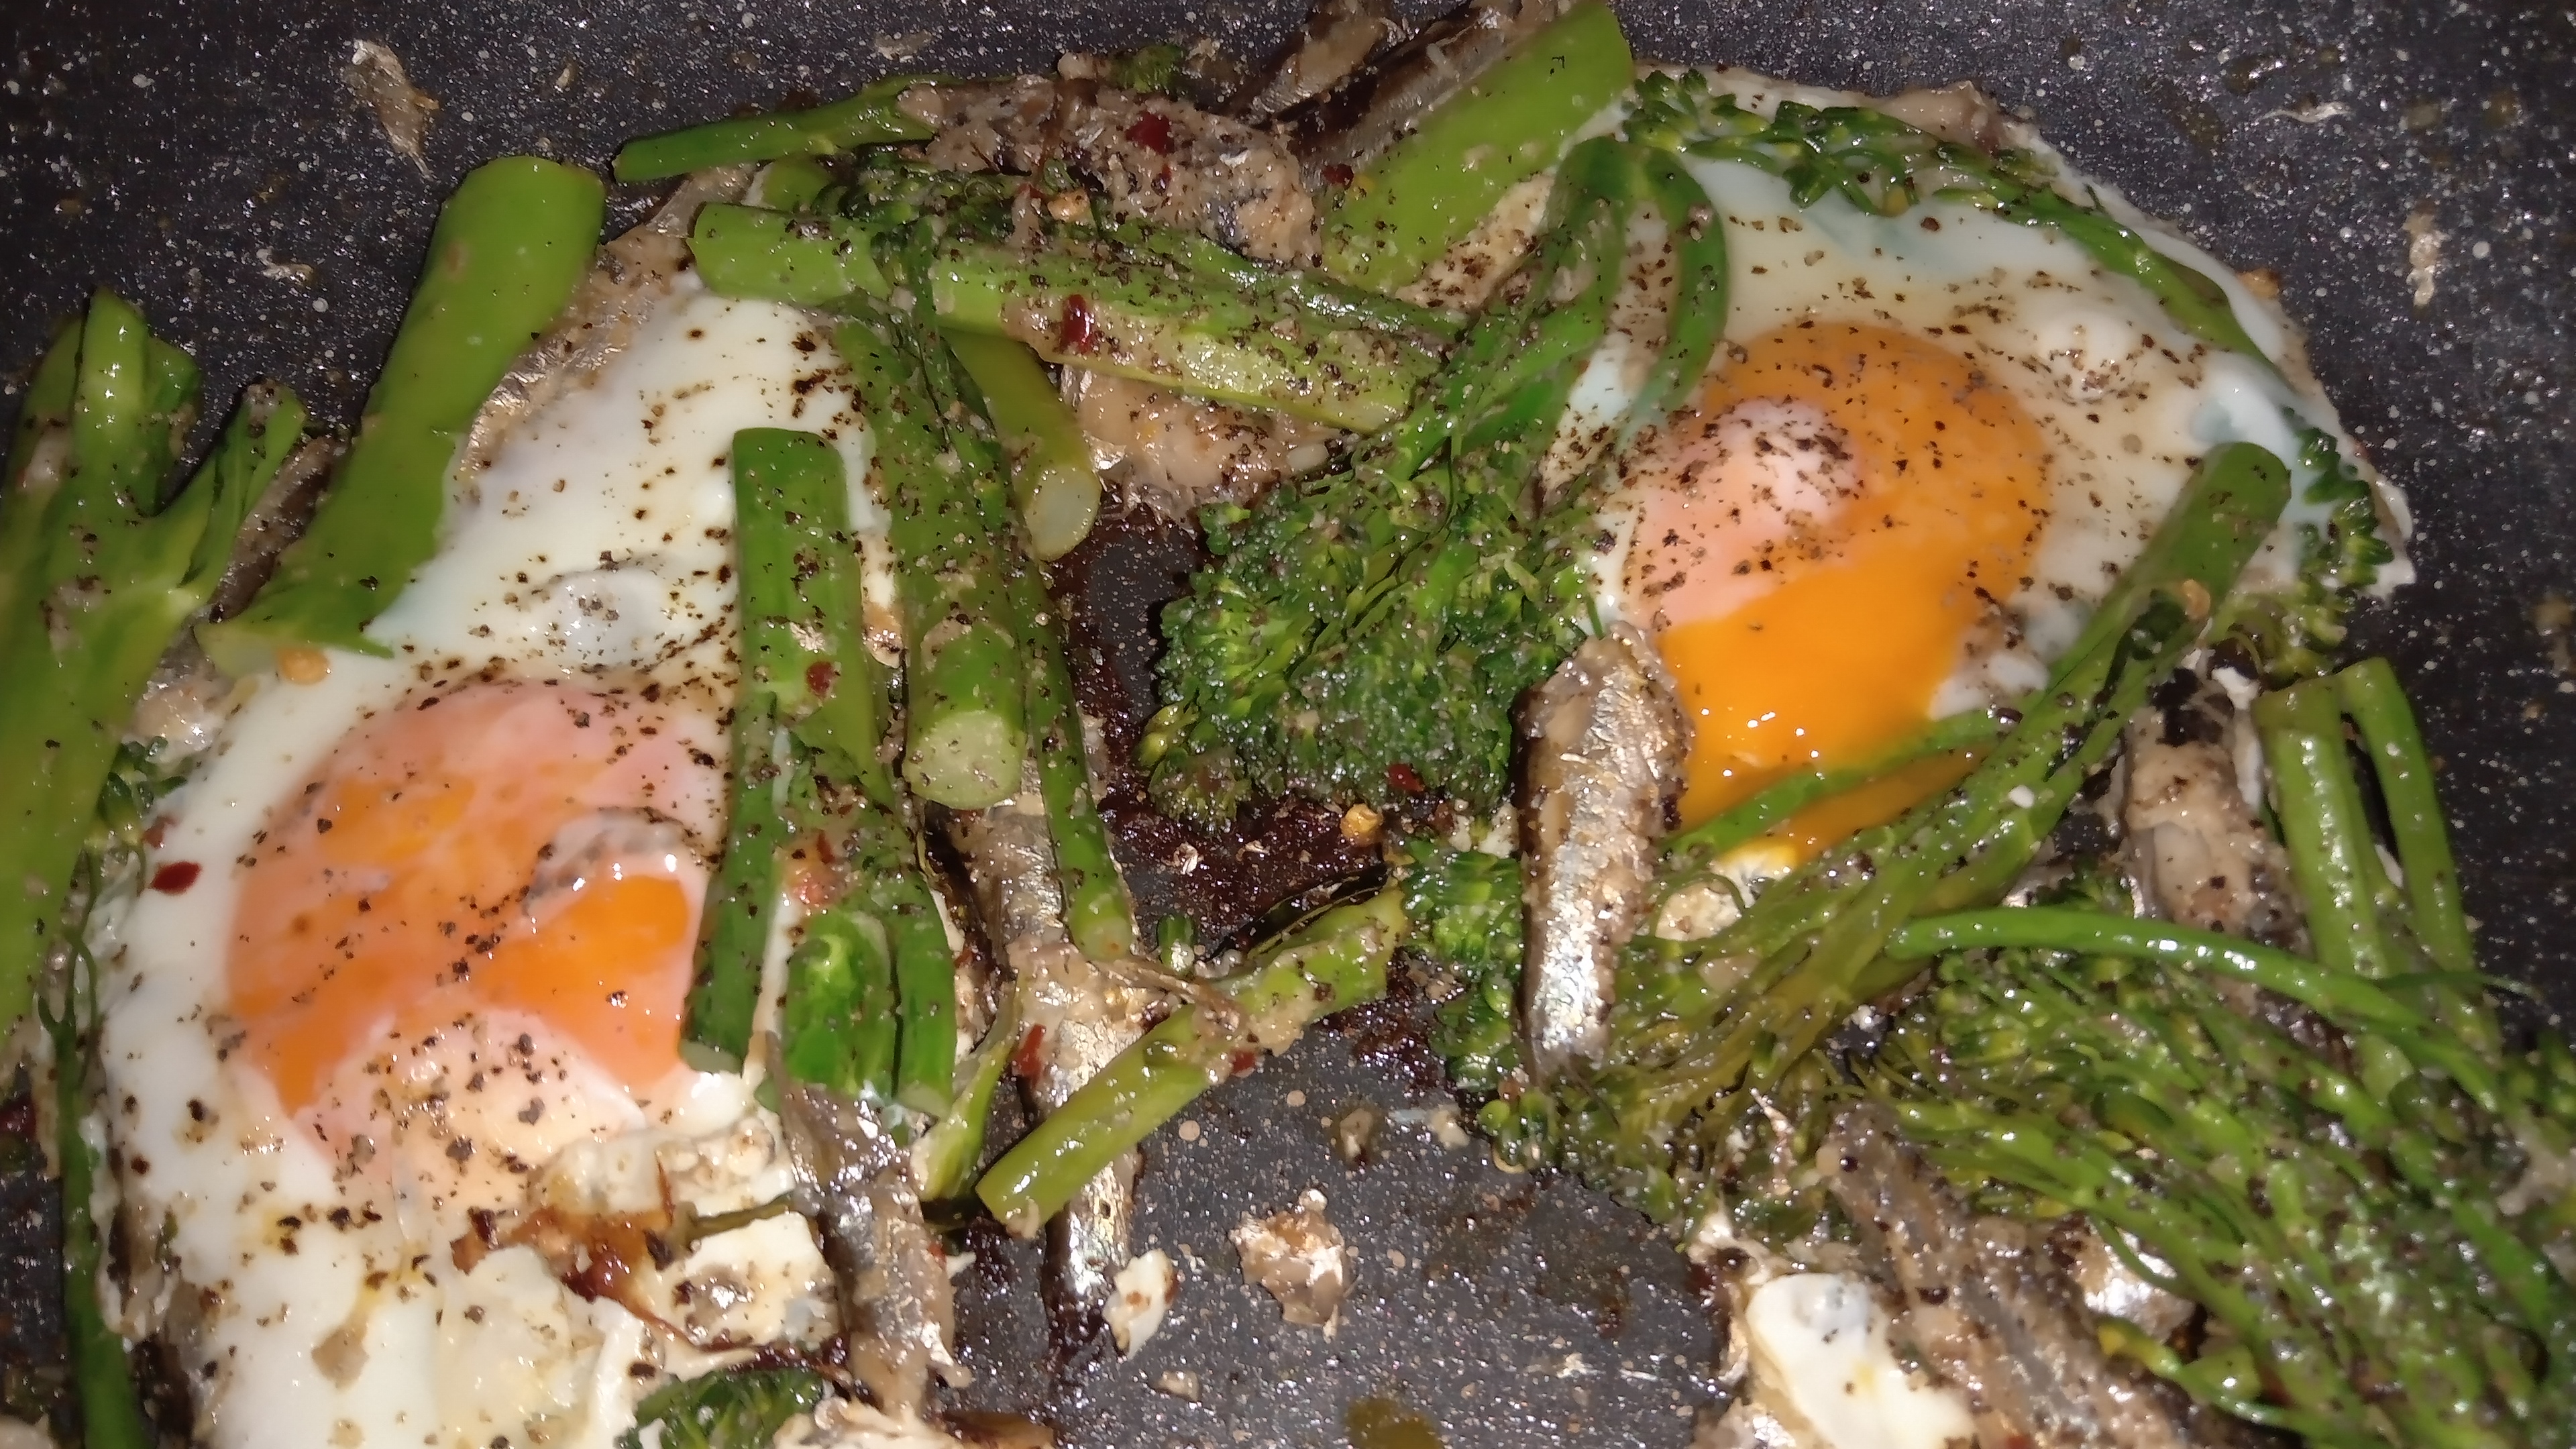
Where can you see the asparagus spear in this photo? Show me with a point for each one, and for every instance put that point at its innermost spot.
(947, 1157)
(1097, 913)
(111, 1409)
(964, 679)
(1053, 482)
(751, 251)
(1339, 960)
(1512, 122)
(803, 635)
(1711, 839)
(869, 118)
(508, 249)
(73, 669)
(869, 1007)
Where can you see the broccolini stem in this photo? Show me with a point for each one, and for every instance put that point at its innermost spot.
(1336, 961)
(1053, 482)
(1714, 837)
(869, 118)
(2322, 823)
(509, 248)
(2378, 705)
(1430, 189)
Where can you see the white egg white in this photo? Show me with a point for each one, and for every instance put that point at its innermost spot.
(318, 1310)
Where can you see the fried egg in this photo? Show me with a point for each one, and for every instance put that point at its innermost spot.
(417, 944)
(1925, 448)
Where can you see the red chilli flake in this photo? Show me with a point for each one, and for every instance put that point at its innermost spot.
(1153, 131)
(1245, 1061)
(1074, 329)
(1337, 174)
(1403, 777)
(1024, 1062)
(819, 676)
(176, 876)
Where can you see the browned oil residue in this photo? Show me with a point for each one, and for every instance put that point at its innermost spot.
(1382, 1423)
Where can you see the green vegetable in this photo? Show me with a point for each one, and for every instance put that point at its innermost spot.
(111, 1409)
(804, 634)
(1466, 913)
(1430, 189)
(1097, 913)
(2292, 633)
(729, 1409)
(509, 248)
(742, 901)
(1361, 635)
(1885, 166)
(1697, 1019)
(953, 1149)
(2370, 694)
(2319, 803)
(2362, 1287)
(1336, 961)
(750, 251)
(1711, 839)
(1146, 319)
(836, 1019)
(964, 676)
(869, 118)
(119, 581)
(1053, 482)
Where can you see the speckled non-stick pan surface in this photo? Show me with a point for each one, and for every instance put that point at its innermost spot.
(202, 156)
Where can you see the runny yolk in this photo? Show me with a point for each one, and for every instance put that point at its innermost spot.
(500, 853)
(1816, 546)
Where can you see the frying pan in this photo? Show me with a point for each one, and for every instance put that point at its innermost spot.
(200, 154)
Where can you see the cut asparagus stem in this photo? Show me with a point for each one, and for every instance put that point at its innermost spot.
(925, 973)
(804, 633)
(102, 1379)
(509, 248)
(965, 680)
(1512, 122)
(71, 673)
(836, 1018)
(751, 251)
(742, 900)
(39, 452)
(867, 119)
(1097, 912)
(1053, 482)
(1337, 961)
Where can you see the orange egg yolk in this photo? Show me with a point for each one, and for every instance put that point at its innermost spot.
(1816, 544)
(504, 854)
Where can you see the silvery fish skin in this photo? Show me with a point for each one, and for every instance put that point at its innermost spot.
(1989, 1311)
(1603, 741)
(1388, 94)
(1336, 37)
(1084, 1017)
(896, 1311)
